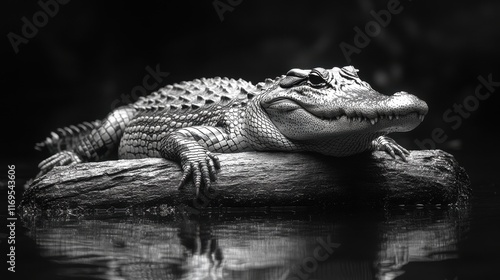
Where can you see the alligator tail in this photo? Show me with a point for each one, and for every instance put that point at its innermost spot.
(66, 138)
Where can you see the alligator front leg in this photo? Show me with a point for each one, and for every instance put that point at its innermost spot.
(193, 147)
(387, 144)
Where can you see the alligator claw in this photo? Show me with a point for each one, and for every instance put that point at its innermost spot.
(384, 143)
(59, 159)
(202, 166)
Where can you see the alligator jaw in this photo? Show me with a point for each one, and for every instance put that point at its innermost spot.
(382, 114)
(371, 108)
(399, 105)
(389, 123)
(373, 121)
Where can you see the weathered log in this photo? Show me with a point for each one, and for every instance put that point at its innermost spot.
(258, 179)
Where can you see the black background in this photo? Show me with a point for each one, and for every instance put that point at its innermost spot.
(92, 52)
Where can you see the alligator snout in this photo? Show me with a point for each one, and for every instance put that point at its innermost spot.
(403, 103)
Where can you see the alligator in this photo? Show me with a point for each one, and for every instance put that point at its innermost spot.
(327, 111)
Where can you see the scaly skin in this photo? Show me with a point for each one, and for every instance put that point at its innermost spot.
(331, 112)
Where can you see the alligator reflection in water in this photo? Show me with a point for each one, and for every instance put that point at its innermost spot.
(353, 246)
(420, 237)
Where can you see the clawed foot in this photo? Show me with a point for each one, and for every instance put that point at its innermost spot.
(384, 143)
(59, 159)
(201, 165)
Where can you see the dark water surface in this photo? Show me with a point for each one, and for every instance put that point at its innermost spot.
(424, 243)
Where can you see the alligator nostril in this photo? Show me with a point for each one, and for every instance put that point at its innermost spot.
(399, 93)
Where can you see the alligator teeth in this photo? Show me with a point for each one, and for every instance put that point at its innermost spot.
(390, 117)
(421, 117)
(373, 121)
(397, 117)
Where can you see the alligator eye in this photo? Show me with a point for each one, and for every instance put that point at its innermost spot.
(316, 80)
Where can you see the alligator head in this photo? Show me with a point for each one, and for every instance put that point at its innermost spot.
(332, 106)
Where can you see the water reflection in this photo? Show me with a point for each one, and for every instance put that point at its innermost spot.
(419, 236)
(347, 246)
